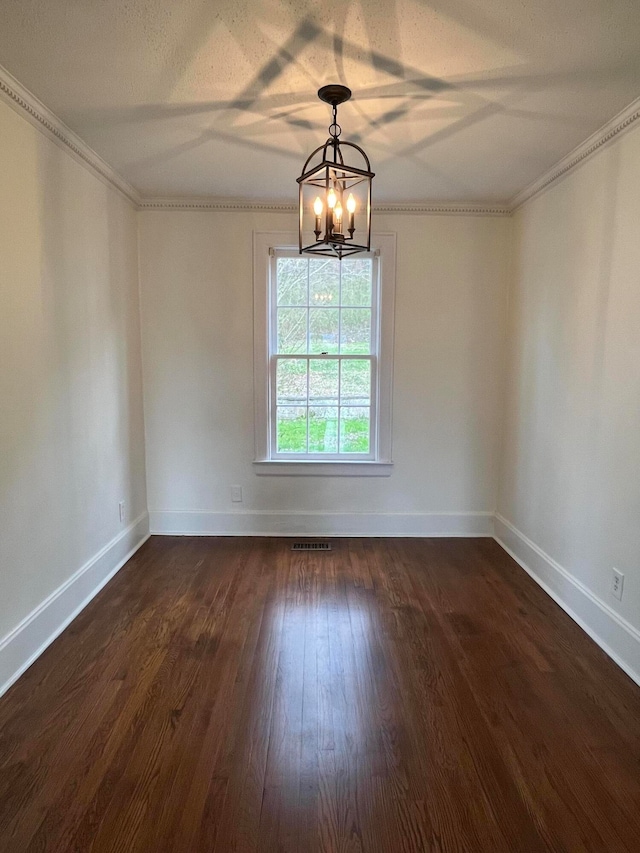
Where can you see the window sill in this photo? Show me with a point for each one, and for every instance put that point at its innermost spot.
(281, 468)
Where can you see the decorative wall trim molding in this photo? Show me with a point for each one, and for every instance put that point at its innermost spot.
(266, 523)
(247, 205)
(28, 106)
(26, 642)
(619, 123)
(615, 636)
(227, 205)
(450, 209)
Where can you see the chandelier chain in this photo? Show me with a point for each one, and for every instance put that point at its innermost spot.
(334, 128)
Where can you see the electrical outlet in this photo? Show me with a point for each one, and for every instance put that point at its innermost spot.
(617, 584)
(236, 494)
(121, 511)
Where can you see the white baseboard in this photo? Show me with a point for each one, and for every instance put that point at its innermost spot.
(26, 642)
(264, 523)
(615, 636)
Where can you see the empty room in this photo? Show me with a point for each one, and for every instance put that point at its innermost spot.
(319, 426)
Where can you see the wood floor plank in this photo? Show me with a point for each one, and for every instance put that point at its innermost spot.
(419, 696)
(121, 681)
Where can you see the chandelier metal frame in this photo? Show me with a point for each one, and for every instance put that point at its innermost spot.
(332, 177)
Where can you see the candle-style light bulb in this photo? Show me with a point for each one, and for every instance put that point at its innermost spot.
(332, 198)
(351, 207)
(317, 209)
(338, 218)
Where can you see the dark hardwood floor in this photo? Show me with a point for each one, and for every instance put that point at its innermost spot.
(391, 695)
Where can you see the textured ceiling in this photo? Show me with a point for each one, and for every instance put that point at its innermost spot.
(454, 100)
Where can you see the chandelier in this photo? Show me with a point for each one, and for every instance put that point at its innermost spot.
(334, 197)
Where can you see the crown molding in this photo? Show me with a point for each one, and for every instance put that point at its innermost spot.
(34, 111)
(247, 205)
(608, 132)
(29, 107)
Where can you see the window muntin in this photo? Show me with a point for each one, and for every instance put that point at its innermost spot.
(323, 357)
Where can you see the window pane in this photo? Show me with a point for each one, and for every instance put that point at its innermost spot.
(291, 429)
(355, 334)
(323, 330)
(292, 281)
(323, 381)
(291, 381)
(324, 281)
(323, 429)
(355, 382)
(354, 429)
(292, 330)
(356, 282)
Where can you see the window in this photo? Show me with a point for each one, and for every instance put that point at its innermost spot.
(323, 356)
(323, 342)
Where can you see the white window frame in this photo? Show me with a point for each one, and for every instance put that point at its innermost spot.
(266, 246)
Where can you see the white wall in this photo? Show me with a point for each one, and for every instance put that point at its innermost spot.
(71, 420)
(571, 462)
(196, 285)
